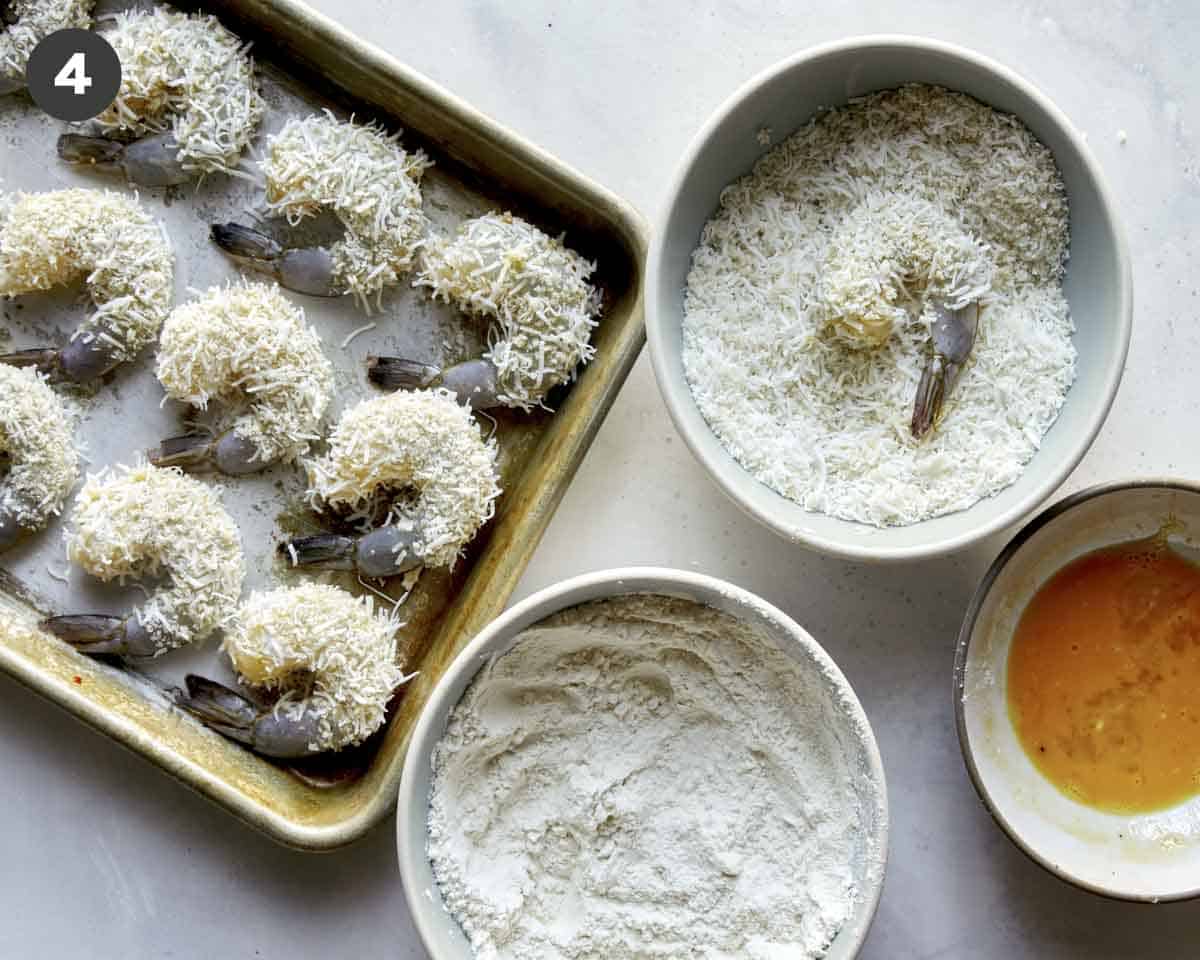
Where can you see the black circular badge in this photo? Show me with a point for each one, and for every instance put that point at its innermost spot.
(73, 74)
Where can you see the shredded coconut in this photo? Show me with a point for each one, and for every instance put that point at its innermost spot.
(646, 777)
(849, 231)
(103, 237)
(535, 289)
(420, 439)
(32, 20)
(186, 73)
(249, 343)
(146, 521)
(366, 179)
(36, 435)
(323, 650)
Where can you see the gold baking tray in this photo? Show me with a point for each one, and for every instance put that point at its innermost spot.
(309, 809)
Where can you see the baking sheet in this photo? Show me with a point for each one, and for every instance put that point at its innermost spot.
(478, 167)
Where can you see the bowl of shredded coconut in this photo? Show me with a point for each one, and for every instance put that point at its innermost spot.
(826, 228)
(643, 763)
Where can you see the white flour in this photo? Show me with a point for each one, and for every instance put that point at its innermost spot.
(645, 777)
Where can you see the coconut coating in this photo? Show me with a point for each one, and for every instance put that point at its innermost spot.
(184, 73)
(146, 521)
(35, 432)
(366, 179)
(248, 344)
(420, 439)
(324, 650)
(889, 250)
(33, 20)
(535, 290)
(59, 237)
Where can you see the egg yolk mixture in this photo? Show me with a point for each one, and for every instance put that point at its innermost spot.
(1104, 678)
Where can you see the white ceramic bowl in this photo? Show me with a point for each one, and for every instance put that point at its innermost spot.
(442, 936)
(1098, 284)
(1146, 857)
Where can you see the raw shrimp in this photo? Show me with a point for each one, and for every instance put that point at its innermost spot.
(424, 442)
(147, 521)
(535, 290)
(247, 347)
(26, 23)
(37, 452)
(48, 239)
(187, 94)
(327, 658)
(362, 176)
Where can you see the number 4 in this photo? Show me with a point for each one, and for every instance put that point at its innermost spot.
(74, 74)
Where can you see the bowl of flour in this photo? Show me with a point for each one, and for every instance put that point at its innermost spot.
(643, 763)
(815, 225)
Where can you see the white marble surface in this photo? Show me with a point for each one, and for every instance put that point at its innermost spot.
(103, 856)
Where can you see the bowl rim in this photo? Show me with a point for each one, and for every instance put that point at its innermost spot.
(678, 397)
(962, 651)
(624, 581)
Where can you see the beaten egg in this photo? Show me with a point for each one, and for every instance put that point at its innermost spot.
(1104, 678)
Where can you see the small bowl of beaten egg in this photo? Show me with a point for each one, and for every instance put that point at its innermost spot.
(1076, 690)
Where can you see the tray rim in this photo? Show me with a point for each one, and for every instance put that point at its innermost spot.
(623, 353)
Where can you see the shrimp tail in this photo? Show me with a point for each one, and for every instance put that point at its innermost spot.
(328, 551)
(191, 450)
(931, 393)
(397, 373)
(91, 151)
(245, 243)
(44, 358)
(221, 708)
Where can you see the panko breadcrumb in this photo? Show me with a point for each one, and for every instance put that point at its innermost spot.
(324, 650)
(103, 237)
(145, 521)
(184, 73)
(31, 21)
(420, 439)
(503, 269)
(35, 432)
(249, 343)
(366, 179)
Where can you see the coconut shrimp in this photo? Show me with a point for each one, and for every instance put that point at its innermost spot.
(48, 239)
(536, 292)
(26, 23)
(248, 348)
(38, 461)
(930, 268)
(361, 175)
(326, 659)
(423, 443)
(926, 257)
(188, 97)
(146, 521)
